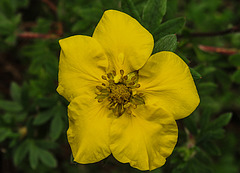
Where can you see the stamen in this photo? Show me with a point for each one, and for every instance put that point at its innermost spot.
(133, 78)
(103, 84)
(100, 100)
(114, 73)
(131, 83)
(110, 76)
(99, 87)
(137, 86)
(125, 77)
(104, 77)
(129, 112)
(134, 106)
(122, 72)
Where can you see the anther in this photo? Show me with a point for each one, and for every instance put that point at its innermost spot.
(137, 86)
(111, 81)
(104, 77)
(99, 87)
(100, 100)
(129, 111)
(103, 84)
(121, 72)
(114, 73)
(140, 94)
(133, 78)
(109, 75)
(125, 77)
(131, 83)
(134, 106)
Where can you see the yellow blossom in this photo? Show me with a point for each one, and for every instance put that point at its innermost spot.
(123, 100)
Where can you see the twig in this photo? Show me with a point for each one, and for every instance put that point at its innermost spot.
(220, 50)
(50, 5)
(213, 34)
(33, 35)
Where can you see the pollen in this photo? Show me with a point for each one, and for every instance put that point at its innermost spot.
(118, 91)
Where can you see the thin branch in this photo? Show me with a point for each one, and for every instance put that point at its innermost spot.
(213, 34)
(221, 50)
(51, 5)
(33, 35)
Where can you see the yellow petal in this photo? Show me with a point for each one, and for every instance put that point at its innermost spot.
(127, 44)
(88, 133)
(166, 80)
(82, 62)
(145, 138)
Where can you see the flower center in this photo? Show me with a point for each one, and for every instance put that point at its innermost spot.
(119, 91)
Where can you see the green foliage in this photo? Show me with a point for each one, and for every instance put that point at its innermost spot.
(153, 13)
(33, 117)
(166, 43)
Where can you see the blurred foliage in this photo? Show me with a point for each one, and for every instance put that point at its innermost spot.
(33, 117)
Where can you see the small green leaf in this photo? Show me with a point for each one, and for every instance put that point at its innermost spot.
(21, 152)
(221, 121)
(56, 127)
(132, 9)
(166, 43)
(169, 27)
(10, 106)
(236, 76)
(46, 144)
(195, 74)
(207, 87)
(43, 117)
(34, 155)
(47, 158)
(153, 13)
(4, 133)
(15, 91)
(191, 125)
(235, 59)
(211, 148)
(205, 118)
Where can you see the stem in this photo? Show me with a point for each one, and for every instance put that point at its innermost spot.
(220, 50)
(213, 34)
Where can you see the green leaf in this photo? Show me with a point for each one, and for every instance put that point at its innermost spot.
(236, 76)
(15, 91)
(34, 155)
(47, 158)
(166, 43)
(221, 121)
(46, 144)
(235, 59)
(47, 102)
(169, 27)
(132, 8)
(4, 133)
(21, 152)
(207, 87)
(205, 118)
(212, 148)
(10, 106)
(191, 125)
(153, 13)
(195, 74)
(56, 127)
(43, 117)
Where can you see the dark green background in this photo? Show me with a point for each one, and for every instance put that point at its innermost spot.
(33, 117)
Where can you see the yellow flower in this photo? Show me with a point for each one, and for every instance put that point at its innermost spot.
(123, 101)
